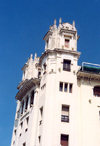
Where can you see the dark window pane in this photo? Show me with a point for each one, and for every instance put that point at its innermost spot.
(65, 87)
(70, 88)
(32, 98)
(26, 106)
(96, 91)
(64, 140)
(66, 65)
(61, 86)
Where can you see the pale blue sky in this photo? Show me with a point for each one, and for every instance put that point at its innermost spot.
(23, 23)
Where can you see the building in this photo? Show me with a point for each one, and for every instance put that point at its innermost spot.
(58, 102)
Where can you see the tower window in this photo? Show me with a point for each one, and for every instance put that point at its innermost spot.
(61, 86)
(32, 98)
(96, 91)
(70, 88)
(65, 113)
(65, 87)
(67, 43)
(64, 140)
(67, 65)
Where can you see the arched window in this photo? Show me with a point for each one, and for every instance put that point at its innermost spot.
(96, 91)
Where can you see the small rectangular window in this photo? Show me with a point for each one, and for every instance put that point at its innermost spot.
(64, 140)
(26, 106)
(66, 65)
(39, 139)
(41, 115)
(67, 43)
(27, 120)
(65, 87)
(32, 98)
(70, 88)
(61, 86)
(24, 144)
(22, 107)
(65, 113)
(21, 124)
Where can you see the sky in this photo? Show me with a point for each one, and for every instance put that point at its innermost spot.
(23, 23)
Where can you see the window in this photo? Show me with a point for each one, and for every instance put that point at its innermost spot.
(61, 86)
(66, 65)
(65, 113)
(21, 124)
(99, 115)
(47, 42)
(39, 74)
(44, 67)
(65, 87)
(26, 106)
(96, 91)
(24, 144)
(41, 115)
(15, 131)
(39, 139)
(67, 43)
(64, 140)
(22, 104)
(27, 120)
(70, 88)
(32, 98)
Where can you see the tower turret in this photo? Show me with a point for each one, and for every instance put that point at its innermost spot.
(64, 36)
(30, 70)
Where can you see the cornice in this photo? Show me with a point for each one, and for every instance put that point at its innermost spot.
(61, 51)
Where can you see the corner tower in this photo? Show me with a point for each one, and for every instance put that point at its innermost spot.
(47, 95)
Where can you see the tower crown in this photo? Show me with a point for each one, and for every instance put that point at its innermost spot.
(63, 37)
(29, 69)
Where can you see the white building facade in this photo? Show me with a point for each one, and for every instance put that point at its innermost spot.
(58, 102)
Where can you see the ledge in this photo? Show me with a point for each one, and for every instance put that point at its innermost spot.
(25, 87)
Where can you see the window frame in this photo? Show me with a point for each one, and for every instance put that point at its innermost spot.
(66, 65)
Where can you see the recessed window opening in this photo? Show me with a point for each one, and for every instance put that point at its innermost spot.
(67, 43)
(64, 140)
(66, 65)
(32, 98)
(39, 139)
(26, 106)
(21, 124)
(96, 91)
(15, 131)
(18, 114)
(24, 144)
(65, 113)
(22, 107)
(65, 87)
(47, 43)
(27, 120)
(39, 74)
(70, 88)
(41, 115)
(61, 86)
